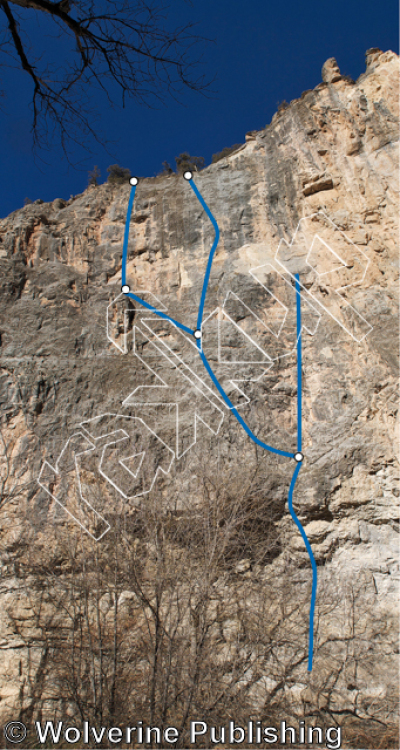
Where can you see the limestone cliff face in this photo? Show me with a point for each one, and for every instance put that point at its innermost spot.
(315, 193)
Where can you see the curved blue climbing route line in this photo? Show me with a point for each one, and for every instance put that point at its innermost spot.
(211, 255)
(313, 565)
(298, 456)
(241, 421)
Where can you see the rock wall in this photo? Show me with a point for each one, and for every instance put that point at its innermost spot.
(314, 193)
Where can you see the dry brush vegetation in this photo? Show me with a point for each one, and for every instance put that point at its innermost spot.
(182, 615)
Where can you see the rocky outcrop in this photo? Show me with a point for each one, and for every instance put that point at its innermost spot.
(314, 193)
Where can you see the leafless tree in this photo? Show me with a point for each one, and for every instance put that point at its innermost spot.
(142, 620)
(178, 614)
(110, 44)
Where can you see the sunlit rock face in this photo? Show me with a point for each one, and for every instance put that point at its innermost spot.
(315, 194)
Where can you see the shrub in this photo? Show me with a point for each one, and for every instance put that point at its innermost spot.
(166, 169)
(225, 152)
(282, 105)
(186, 162)
(118, 175)
(94, 176)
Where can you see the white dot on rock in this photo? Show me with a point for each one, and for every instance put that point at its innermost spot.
(197, 334)
(126, 288)
(133, 181)
(188, 175)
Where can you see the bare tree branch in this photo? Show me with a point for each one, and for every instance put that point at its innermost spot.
(116, 45)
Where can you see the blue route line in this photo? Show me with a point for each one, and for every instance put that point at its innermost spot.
(313, 565)
(235, 412)
(123, 271)
(160, 313)
(211, 255)
(299, 363)
(126, 234)
(226, 398)
(295, 475)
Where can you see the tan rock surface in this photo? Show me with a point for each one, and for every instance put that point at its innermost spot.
(326, 166)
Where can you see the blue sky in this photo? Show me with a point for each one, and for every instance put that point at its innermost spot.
(263, 52)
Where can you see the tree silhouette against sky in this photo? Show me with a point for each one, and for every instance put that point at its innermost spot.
(127, 49)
